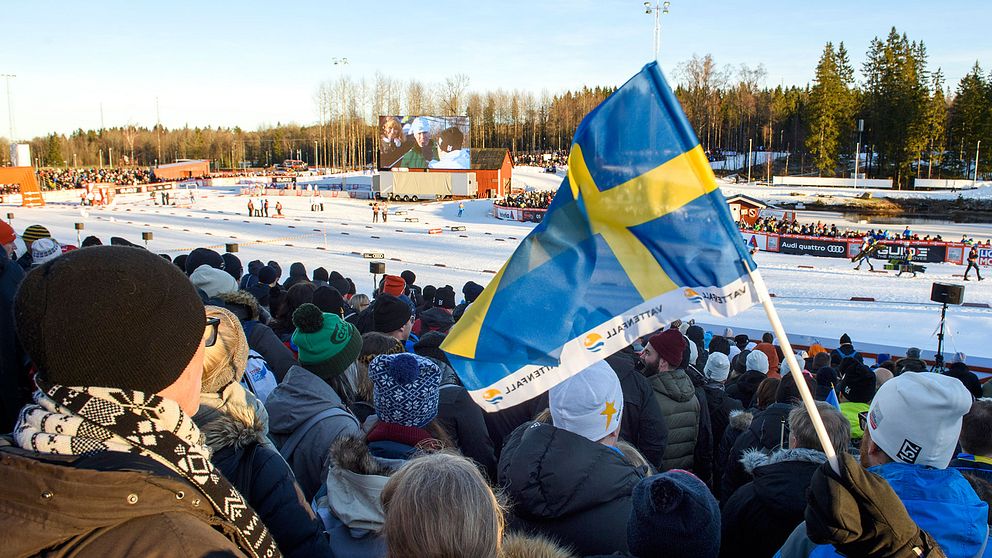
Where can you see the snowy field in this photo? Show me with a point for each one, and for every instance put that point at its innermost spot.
(814, 303)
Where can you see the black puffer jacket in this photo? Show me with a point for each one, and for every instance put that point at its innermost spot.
(15, 385)
(768, 432)
(241, 452)
(759, 517)
(720, 405)
(568, 488)
(642, 424)
(737, 424)
(463, 421)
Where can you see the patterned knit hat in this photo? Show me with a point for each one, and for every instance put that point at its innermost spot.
(44, 250)
(674, 515)
(406, 389)
(327, 344)
(34, 232)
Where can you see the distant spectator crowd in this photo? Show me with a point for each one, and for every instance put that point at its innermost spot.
(69, 178)
(527, 200)
(791, 226)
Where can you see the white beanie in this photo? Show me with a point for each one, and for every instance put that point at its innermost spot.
(420, 124)
(757, 361)
(589, 403)
(44, 250)
(916, 418)
(717, 367)
(213, 281)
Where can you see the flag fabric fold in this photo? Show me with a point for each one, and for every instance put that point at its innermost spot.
(637, 235)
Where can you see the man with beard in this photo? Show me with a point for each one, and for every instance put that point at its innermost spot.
(676, 394)
(426, 149)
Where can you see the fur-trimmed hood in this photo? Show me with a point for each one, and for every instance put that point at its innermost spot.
(520, 545)
(752, 459)
(355, 482)
(233, 418)
(740, 420)
(243, 304)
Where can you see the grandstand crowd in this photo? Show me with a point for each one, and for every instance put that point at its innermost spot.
(231, 410)
(527, 200)
(69, 178)
(555, 159)
(771, 224)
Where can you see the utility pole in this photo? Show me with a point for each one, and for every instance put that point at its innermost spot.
(158, 131)
(10, 106)
(749, 160)
(975, 177)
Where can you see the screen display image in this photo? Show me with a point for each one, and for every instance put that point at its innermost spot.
(424, 142)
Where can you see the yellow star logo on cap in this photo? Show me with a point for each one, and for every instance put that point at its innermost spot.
(608, 412)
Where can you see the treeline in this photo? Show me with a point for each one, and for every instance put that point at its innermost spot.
(913, 124)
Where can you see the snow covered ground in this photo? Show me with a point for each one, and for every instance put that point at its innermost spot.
(814, 303)
(829, 196)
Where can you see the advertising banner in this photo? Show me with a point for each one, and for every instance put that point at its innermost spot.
(810, 246)
(924, 252)
(985, 257)
(532, 215)
(755, 240)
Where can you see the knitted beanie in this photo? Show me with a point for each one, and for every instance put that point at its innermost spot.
(757, 361)
(34, 232)
(180, 262)
(320, 274)
(7, 234)
(44, 250)
(213, 281)
(429, 346)
(390, 313)
(428, 294)
(138, 331)
(409, 276)
(93, 241)
(406, 389)
(673, 515)
(771, 353)
(717, 367)
(267, 275)
(339, 282)
(472, 290)
(232, 265)
(327, 344)
(275, 267)
(329, 300)
(393, 285)
(224, 362)
(203, 256)
(669, 344)
(445, 297)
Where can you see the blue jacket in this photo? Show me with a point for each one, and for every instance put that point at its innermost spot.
(940, 501)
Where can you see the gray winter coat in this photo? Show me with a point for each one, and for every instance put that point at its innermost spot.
(300, 396)
(677, 397)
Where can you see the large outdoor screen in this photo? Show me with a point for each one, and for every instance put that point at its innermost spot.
(424, 142)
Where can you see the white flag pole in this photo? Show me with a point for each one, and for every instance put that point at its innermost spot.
(797, 372)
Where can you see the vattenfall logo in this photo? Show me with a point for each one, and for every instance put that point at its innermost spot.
(593, 342)
(492, 396)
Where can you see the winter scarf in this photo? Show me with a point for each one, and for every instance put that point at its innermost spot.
(90, 420)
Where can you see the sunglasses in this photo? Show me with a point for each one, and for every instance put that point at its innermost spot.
(210, 332)
(863, 420)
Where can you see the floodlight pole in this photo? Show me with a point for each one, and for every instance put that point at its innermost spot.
(10, 106)
(657, 10)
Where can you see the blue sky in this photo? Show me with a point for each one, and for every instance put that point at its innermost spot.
(252, 63)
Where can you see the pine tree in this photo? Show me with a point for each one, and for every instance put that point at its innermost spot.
(936, 123)
(971, 114)
(831, 109)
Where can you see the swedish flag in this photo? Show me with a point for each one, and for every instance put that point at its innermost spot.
(637, 235)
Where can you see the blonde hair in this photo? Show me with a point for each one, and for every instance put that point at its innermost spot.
(225, 361)
(635, 457)
(439, 506)
(359, 302)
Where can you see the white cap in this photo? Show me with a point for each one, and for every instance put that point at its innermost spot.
(916, 418)
(757, 361)
(213, 281)
(44, 250)
(717, 367)
(589, 404)
(420, 124)
(957, 357)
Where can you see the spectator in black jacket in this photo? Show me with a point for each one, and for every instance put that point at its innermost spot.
(643, 424)
(15, 386)
(760, 515)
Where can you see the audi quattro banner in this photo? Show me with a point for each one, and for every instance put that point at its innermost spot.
(810, 246)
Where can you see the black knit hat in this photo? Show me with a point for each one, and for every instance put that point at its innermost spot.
(472, 290)
(320, 274)
(91, 241)
(112, 336)
(845, 339)
(232, 265)
(858, 382)
(428, 294)
(673, 515)
(445, 297)
(409, 276)
(267, 275)
(338, 281)
(390, 313)
(203, 256)
(276, 267)
(180, 262)
(254, 266)
(429, 346)
(329, 300)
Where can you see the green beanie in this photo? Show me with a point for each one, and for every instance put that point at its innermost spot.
(327, 344)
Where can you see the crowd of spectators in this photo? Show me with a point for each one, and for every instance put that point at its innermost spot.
(288, 414)
(543, 159)
(527, 200)
(69, 178)
(777, 225)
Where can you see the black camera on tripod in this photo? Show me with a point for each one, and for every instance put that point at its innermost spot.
(945, 294)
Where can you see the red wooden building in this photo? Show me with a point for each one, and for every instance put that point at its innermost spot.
(493, 170)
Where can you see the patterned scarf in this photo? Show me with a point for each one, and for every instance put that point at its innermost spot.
(90, 420)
